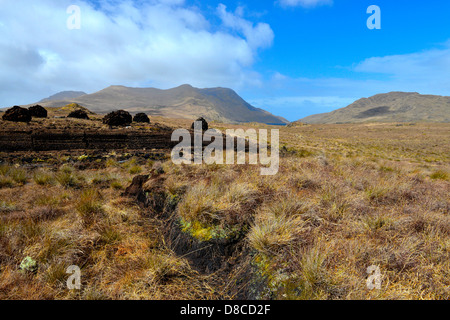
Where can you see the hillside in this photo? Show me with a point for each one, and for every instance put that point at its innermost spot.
(389, 107)
(63, 95)
(187, 102)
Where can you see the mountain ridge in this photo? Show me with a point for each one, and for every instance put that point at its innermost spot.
(393, 106)
(63, 95)
(185, 101)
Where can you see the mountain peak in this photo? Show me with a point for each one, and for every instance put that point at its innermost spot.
(188, 86)
(185, 101)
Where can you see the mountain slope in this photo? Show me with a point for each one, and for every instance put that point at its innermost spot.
(185, 101)
(64, 95)
(389, 107)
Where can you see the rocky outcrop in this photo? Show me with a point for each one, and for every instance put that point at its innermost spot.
(17, 114)
(118, 118)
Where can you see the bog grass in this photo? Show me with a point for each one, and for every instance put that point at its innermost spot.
(346, 197)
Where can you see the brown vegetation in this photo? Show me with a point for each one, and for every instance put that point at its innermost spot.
(346, 197)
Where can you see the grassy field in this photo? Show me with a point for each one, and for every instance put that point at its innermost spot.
(346, 197)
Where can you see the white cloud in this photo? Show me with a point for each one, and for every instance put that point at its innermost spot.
(259, 36)
(426, 71)
(162, 43)
(304, 3)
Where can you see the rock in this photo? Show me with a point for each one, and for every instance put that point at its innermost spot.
(204, 124)
(78, 114)
(38, 111)
(29, 265)
(17, 114)
(141, 117)
(118, 118)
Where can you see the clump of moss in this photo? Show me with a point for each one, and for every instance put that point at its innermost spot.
(203, 232)
(28, 265)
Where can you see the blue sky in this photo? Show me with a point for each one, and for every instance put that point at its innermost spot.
(291, 57)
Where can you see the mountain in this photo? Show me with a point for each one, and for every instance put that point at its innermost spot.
(220, 104)
(389, 107)
(64, 95)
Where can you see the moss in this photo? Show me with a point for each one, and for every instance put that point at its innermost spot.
(272, 281)
(203, 232)
(28, 265)
(83, 157)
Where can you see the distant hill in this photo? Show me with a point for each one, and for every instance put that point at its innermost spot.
(64, 95)
(220, 104)
(389, 107)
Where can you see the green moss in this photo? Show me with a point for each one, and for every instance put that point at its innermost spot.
(83, 157)
(28, 265)
(203, 232)
(277, 284)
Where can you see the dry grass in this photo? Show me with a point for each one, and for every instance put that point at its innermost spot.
(345, 198)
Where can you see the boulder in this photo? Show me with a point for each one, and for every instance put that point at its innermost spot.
(17, 114)
(78, 114)
(38, 111)
(141, 117)
(204, 124)
(118, 118)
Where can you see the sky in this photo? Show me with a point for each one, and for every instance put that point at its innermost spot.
(293, 58)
